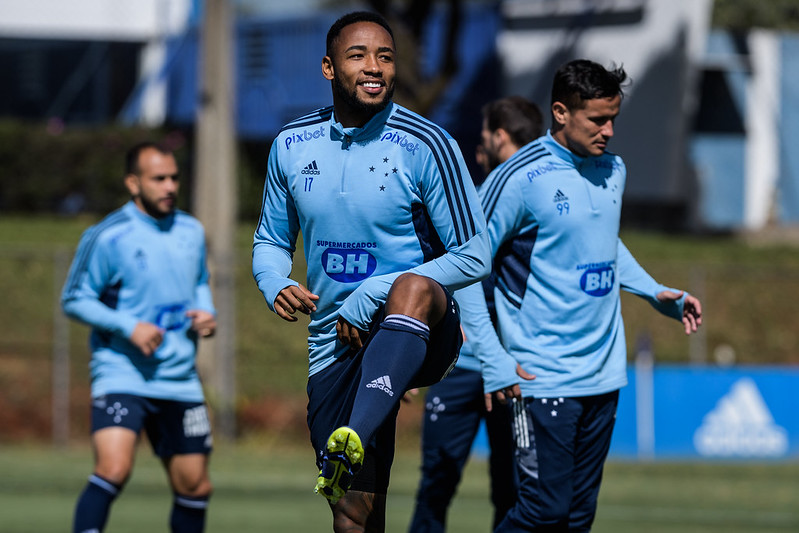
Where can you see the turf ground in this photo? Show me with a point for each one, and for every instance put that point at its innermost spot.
(262, 489)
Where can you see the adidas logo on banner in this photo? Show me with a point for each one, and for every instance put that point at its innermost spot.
(311, 169)
(384, 384)
(741, 425)
(560, 197)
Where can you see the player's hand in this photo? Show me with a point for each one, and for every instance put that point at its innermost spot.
(691, 312)
(505, 394)
(147, 337)
(349, 335)
(203, 322)
(292, 299)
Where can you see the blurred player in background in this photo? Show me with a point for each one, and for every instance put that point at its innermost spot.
(455, 406)
(139, 279)
(391, 224)
(553, 212)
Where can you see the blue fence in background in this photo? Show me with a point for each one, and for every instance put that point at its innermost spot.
(707, 413)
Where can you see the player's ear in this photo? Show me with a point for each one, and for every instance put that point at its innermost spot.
(327, 68)
(501, 137)
(132, 184)
(559, 112)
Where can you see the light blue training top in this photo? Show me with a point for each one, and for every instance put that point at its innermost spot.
(131, 268)
(553, 226)
(393, 196)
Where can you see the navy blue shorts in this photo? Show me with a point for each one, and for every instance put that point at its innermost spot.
(561, 447)
(173, 428)
(331, 395)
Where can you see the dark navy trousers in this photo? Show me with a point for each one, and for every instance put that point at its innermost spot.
(561, 447)
(454, 408)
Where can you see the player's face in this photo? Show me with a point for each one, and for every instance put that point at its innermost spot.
(155, 188)
(362, 71)
(586, 131)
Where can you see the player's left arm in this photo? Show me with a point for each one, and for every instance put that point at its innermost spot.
(673, 303)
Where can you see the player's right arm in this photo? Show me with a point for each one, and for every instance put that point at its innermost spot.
(274, 243)
(90, 275)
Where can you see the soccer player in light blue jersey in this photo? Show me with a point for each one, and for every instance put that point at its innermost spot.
(391, 224)
(455, 406)
(553, 212)
(139, 279)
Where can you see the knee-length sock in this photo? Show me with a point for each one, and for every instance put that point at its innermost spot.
(188, 514)
(391, 360)
(91, 512)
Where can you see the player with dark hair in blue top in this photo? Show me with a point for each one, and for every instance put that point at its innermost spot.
(391, 224)
(139, 279)
(553, 212)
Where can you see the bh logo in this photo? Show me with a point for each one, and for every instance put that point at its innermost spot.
(348, 265)
(171, 317)
(597, 281)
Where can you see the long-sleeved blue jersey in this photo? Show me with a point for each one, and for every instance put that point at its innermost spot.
(393, 196)
(130, 268)
(553, 225)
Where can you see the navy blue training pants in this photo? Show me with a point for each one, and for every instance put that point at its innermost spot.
(561, 447)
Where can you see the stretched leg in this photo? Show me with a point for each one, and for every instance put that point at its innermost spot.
(114, 452)
(397, 351)
(391, 360)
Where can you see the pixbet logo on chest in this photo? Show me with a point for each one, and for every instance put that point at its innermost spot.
(401, 140)
(306, 135)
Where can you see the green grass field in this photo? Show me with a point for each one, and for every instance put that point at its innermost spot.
(263, 488)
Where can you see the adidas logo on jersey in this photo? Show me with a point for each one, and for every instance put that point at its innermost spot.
(560, 197)
(311, 169)
(383, 383)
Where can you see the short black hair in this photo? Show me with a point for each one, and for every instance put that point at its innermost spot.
(517, 115)
(582, 79)
(132, 156)
(352, 18)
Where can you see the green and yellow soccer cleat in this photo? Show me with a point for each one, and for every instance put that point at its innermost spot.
(342, 459)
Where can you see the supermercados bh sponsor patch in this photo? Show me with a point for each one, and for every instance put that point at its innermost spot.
(597, 278)
(348, 262)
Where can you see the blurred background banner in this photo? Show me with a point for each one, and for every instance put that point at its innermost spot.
(742, 412)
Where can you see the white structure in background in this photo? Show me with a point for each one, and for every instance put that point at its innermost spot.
(658, 42)
(762, 155)
(145, 21)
